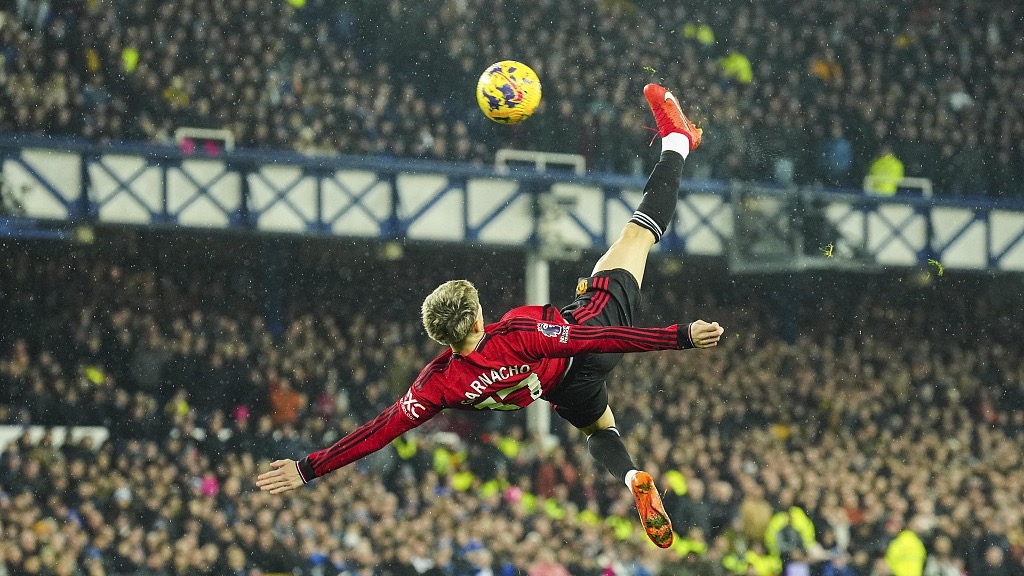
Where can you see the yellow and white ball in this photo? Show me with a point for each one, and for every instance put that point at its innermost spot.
(508, 92)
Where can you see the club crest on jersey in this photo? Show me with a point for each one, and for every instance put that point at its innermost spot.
(554, 331)
(581, 287)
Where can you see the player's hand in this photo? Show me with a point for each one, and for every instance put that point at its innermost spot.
(704, 334)
(283, 476)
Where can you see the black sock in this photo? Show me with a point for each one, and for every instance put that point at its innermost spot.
(607, 448)
(659, 203)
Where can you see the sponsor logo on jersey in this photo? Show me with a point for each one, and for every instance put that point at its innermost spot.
(410, 406)
(581, 287)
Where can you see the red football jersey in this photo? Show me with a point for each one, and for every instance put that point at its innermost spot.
(521, 357)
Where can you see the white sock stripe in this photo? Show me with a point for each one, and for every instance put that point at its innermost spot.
(645, 219)
(648, 220)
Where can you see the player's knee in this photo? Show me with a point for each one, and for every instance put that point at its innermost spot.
(604, 422)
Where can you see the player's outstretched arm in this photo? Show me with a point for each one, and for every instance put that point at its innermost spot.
(547, 340)
(402, 416)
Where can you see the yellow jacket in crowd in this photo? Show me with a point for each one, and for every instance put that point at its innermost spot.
(905, 555)
(884, 175)
(795, 517)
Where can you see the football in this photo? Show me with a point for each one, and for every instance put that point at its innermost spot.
(508, 92)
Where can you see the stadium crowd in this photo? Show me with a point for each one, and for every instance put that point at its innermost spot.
(893, 420)
(813, 93)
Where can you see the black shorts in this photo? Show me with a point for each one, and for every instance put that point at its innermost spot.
(608, 298)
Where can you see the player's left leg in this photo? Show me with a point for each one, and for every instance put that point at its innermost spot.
(606, 447)
(582, 400)
(585, 397)
(651, 220)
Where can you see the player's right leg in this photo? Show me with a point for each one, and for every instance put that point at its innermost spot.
(651, 220)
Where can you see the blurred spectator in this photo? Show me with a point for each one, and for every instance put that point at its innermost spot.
(965, 174)
(547, 565)
(285, 401)
(836, 158)
(826, 68)
(905, 555)
(690, 509)
(994, 563)
(940, 560)
(885, 173)
(736, 68)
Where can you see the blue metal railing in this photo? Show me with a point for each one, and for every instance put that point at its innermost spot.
(70, 181)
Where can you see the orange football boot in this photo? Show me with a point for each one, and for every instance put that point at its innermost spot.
(652, 512)
(669, 115)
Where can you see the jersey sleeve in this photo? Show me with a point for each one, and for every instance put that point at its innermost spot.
(413, 409)
(551, 340)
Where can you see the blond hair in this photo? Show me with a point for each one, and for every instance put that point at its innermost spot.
(449, 311)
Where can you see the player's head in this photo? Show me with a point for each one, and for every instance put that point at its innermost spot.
(449, 312)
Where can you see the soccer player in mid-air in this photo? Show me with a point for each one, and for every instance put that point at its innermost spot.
(543, 352)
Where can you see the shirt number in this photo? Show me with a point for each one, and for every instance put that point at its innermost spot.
(532, 382)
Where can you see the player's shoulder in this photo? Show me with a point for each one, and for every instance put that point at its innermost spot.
(526, 319)
(433, 368)
(546, 313)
